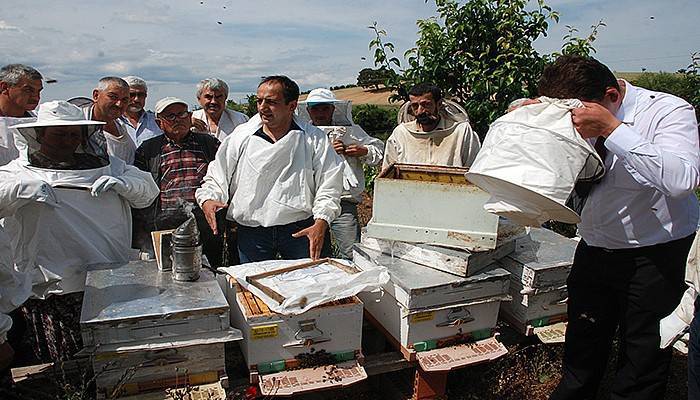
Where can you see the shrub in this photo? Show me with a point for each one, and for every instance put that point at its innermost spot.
(375, 120)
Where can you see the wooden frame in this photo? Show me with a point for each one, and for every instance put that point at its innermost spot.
(255, 279)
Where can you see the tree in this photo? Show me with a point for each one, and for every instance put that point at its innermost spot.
(369, 78)
(479, 52)
(248, 108)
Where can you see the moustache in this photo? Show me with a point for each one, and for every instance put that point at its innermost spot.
(426, 119)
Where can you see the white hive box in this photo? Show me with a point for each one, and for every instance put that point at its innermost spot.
(454, 260)
(539, 266)
(145, 331)
(433, 205)
(275, 345)
(424, 310)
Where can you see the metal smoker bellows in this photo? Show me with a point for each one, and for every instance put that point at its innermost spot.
(186, 251)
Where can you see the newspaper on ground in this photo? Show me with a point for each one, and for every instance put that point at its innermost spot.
(299, 290)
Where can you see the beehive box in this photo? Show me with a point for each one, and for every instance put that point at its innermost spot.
(433, 205)
(146, 331)
(424, 309)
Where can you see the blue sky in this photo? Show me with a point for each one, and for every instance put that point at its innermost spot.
(174, 44)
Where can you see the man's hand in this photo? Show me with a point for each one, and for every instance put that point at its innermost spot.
(338, 146)
(199, 126)
(37, 190)
(209, 208)
(315, 233)
(356, 150)
(594, 120)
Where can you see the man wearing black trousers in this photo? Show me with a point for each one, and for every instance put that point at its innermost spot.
(637, 226)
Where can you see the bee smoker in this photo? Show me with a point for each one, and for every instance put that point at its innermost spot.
(186, 251)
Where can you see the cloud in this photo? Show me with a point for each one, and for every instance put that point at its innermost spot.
(4, 26)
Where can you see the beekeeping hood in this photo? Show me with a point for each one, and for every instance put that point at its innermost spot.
(342, 115)
(450, 112)
(40, 142)
(530, 161)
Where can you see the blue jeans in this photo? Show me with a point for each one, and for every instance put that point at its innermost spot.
(269, 243)
(694, 355)
(346, 229)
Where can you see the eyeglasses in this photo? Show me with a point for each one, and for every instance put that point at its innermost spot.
(173, 117)
(134, 95)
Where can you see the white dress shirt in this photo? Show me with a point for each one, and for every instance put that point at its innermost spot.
(647, 194)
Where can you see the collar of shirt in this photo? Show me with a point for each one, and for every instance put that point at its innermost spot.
(261, 134)
(629, 104)
(186, 141)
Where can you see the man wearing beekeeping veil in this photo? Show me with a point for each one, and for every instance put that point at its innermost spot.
(356, 147)
(83, 218)
(435, 137)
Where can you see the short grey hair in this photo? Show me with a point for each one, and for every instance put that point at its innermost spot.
(213, 84)
(105, 82)
(13, 73)
(135, 81)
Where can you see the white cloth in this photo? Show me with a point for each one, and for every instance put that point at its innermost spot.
(353, 188)
(451, 143)
(676, 324)
(278, 183)
(15, 286)
(530, 161)
(646, 196)
(306, 288)
(121, 146)
(54, 243)
(8, 150)
(230, 119)
(146, 128)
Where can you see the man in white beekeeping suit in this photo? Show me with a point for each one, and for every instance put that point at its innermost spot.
(282, 178)
(357, 148)
(434, 138)
(88, 223)
(20, 90)
(214, 118)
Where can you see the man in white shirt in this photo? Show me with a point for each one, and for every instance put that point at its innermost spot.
(281, 177)
(214, 118)
(20, 90)
(637, 226)
(110, 100)
(435, 137)
(140, 124)
(357, 148)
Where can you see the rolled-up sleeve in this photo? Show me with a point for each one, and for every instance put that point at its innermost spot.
(670, 161)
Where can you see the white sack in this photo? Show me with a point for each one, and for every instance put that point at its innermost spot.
(530, 161)
(309, 287)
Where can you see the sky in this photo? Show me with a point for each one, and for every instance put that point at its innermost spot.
(174, 44)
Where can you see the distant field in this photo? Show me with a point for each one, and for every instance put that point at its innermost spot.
(359, 95)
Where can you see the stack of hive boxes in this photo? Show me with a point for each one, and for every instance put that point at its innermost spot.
(451, 289)
(539, 267)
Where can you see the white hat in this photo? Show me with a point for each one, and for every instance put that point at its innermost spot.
(58, 113)
(163, 103)
(320, 95)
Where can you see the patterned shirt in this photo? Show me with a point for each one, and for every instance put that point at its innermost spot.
(182, 169)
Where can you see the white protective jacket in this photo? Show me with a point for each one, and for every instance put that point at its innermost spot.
(230, 119)
(676, 324)
(451, 143)
(8, 150)
(352, 191)
(55, 243)
(269, 184)
(15, 286)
